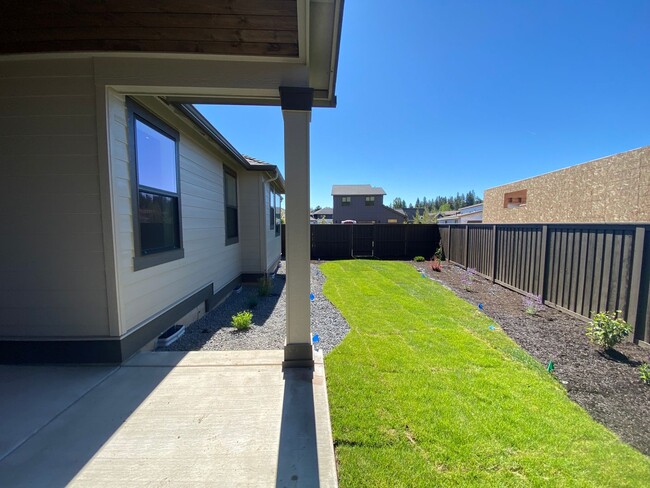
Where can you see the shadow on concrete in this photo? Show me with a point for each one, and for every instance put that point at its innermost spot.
(298, 452)
(53, 452)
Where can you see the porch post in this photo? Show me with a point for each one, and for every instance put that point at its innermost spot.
(296, 112)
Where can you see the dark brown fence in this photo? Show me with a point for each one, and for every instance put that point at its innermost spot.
(577, 268)
(382, 241)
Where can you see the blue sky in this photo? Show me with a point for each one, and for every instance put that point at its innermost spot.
(438, 97)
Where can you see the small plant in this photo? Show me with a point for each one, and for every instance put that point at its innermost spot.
(435, 264)
(644, 373)
(252, 302)
(242, 320)
(607, 329)
(533, 304)
(419, 259)
(264, 286)
(440, 254)
(468, 278)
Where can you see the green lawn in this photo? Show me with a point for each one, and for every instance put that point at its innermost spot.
(422, 393)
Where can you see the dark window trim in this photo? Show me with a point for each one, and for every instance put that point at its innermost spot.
(278, 213)
(229, 240)
(271, 203)
(140, 261)
(370, 201)
(346, 203)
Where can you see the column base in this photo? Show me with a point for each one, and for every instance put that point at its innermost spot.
(298, 356)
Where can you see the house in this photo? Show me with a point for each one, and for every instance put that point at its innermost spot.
(363, 204)
(609, 189)
(324, 215)
(472, 214)
(124, 210)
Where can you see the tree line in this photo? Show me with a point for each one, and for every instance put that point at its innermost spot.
(440, 203)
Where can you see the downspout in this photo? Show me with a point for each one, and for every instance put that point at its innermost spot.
(265, 227)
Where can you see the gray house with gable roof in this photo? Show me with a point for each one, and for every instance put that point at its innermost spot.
(363, 204)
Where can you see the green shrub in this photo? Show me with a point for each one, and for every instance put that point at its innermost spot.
(607, 329)
(242, 320)
(440, 254)
(264, 286)
(418, 259)
(644, 373)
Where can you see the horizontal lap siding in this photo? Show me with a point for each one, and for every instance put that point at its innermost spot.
(52, 278)
(146, 293)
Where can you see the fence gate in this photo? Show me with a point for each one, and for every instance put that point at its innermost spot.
(363, 237)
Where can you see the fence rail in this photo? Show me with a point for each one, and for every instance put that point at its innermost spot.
(577, 268)
(382, 241)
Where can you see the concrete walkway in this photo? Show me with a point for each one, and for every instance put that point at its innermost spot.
(167, 419)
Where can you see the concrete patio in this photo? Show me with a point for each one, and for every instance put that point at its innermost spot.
(167, 419)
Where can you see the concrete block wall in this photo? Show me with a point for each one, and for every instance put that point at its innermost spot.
(610, 189)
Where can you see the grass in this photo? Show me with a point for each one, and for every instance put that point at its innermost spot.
(423, 393)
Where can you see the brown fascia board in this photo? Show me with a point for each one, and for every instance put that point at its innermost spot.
(208, 129)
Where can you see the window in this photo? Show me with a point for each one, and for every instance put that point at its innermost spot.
(345, 201)
(271, 209)
(515, 199)
(278, 214)
(155, 189)
(370, 201)
(230, 204)
(392, 221)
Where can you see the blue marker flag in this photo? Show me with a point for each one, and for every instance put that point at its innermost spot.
(316, 338)
(480, 306)
(311, 297)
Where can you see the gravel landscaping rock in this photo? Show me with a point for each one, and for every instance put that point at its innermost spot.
(213, 332)
(606, 386)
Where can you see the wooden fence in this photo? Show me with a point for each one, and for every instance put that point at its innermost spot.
(577, 268)
(381, 241)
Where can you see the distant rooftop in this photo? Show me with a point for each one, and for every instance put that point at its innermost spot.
(348, 190)
(324, 211)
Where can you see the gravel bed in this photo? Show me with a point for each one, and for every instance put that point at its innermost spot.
(213, 332)
(605, 385)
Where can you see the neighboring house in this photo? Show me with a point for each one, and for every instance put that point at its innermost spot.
(472, 214)
(610, 189)
(324, 215)
(363, 204)
(124, 210)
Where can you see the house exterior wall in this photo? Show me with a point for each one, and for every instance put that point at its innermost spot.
(146, 293)
(357, 210)
(250, 213)
(610, 189)
(52, 272)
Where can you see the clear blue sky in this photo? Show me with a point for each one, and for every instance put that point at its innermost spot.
(438, 97)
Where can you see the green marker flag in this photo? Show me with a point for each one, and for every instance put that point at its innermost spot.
(550, 367)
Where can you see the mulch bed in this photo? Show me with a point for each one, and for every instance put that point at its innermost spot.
(606, 386)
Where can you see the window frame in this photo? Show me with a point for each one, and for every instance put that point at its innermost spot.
(278, 214)
(370, 201)
(235, 239)
(135, 111)
(346, 201)
(271, 203)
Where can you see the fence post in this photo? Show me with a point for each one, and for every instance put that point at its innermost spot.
(542, 264)
(635, 283)
(494, 253)
(466, 244)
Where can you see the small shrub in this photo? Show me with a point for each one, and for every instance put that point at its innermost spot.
(418, 259)
(644, 373)
(533, 304)
(468, 278)
(264, 286)
(252, 302)
(607, 329)
(242, 320)
(436, 265)
(440, 254)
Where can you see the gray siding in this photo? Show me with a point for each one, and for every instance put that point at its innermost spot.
(357, 210)
(52, 279)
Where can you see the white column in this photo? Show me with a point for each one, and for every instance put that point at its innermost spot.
(296, 112)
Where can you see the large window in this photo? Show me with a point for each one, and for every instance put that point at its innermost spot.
(278, 213)
(230, 200)
(155, 189)
(271, 209)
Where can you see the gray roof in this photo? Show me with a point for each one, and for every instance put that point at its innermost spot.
(324, 211)
(348, 190)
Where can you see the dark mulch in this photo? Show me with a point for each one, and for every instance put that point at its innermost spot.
(607, 386)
